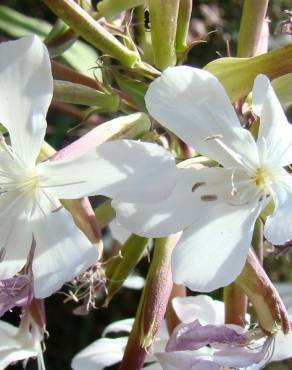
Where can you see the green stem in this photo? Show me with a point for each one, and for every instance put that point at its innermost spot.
(183, 21)
(104, 213)
(120, 267)
(111, 8)
(84, 25)
(251, 24)
(257, 240)
(163, 18)
(152, 305)
(69, 92)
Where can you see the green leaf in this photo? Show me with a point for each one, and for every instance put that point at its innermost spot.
(136, 89)
(80, 56)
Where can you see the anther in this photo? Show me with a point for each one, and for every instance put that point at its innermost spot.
(209, 197)
(213, 137)
(197, 185)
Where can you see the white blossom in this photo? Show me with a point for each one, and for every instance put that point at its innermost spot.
(217, 207)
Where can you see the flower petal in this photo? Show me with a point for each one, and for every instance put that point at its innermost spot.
(241, 357)
(202, 307)
(118, 326)
(181, 208)
(100, 354)
(274, 128)
(282, 347)
(193, 104)
(125, 170)
(26, 87)
(16, 291)
(186, 360)
(14, 348)
(219, 239)
(62, 250)
(16, 233)
(193, 336)
(277, 230)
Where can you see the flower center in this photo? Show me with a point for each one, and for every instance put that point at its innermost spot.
(18, 182)
(262, 178)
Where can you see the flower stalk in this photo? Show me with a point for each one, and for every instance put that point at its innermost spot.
(163, 18)
(119, 268)
(183, 21)
(251, 27)
(235, 305)
(73, 93)
(152, 304)
(84, 25)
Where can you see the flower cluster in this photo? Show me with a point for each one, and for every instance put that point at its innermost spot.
(203, 213)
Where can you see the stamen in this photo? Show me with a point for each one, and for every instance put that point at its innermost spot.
(209, 197)
(197, 185)
(213, 137)
(57, 209)
(2, 254)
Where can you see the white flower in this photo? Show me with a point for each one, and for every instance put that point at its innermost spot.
(108, 351)
(30, 209)
(217, 207)
(20, 344)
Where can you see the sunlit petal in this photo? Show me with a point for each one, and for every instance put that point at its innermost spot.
(26, 88)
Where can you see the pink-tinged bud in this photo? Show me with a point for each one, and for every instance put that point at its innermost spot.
(235, 305)
(237, 75)
(152, 304)
(263, 295)
(263, 42)
(252, 28)
(129, 126)
(37, 311)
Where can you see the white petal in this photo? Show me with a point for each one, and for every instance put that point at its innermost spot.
(282, 347)
(7, 334)
(14, 348)
(285, 291)
(134, 282)
(118, 326)
(26, 88)
(181, 208)
(202, 307)
(193, 104)
(62, 250)
(212, 252)
(277, 229)
(100, 354)
(125, 170)
(11, 356)
(187, 360)
(16, 233)
(274, 127)
(119, 233)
